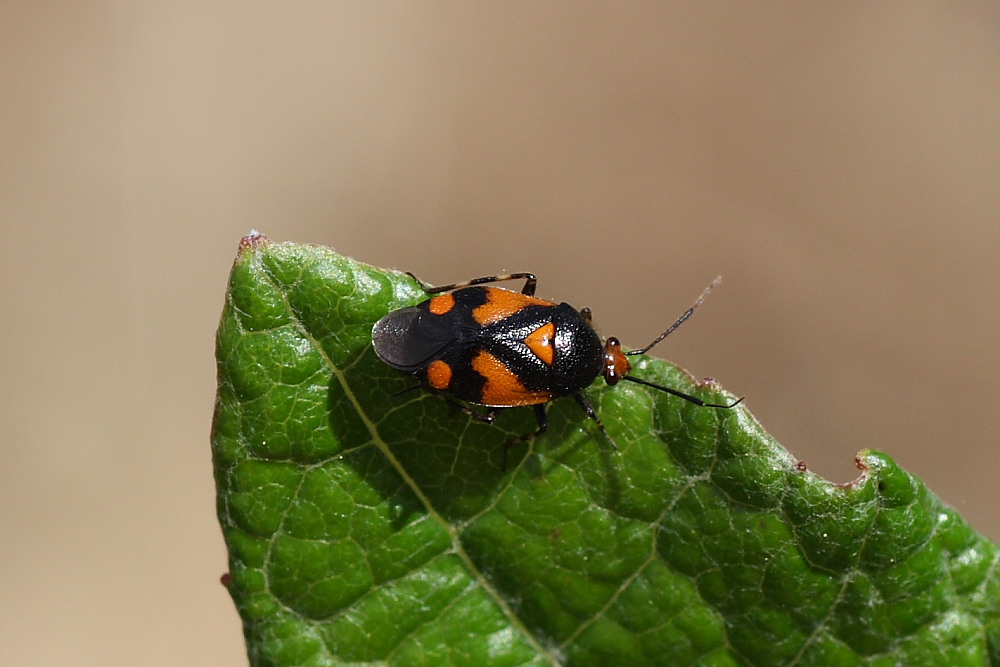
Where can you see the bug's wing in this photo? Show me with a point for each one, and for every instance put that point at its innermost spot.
(409, 338)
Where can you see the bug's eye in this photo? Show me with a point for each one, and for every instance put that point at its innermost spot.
(616, 364)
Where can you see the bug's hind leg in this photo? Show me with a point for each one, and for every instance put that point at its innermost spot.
(530, 282)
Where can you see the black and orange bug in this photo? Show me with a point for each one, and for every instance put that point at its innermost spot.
(496, 348)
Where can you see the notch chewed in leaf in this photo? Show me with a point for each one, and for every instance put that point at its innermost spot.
(365, 525)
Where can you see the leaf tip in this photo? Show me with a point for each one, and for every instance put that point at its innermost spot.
(253, 241)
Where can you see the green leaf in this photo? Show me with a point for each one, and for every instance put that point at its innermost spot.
(365, 525)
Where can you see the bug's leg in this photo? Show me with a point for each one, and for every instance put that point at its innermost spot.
(424, 286)
(485, 417)
(543, 420)
(543, 424)
(529, 279)
(589, 409)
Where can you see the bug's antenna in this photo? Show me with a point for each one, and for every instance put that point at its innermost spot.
(680, 320)
(680, 394)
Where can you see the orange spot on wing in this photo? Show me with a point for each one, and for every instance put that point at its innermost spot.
(439, 375)
(541, 342)
(503, 388)
(502, 303)
(441, 304)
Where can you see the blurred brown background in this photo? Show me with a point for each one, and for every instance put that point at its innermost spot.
(838, 164)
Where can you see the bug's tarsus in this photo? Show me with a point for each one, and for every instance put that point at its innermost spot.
(424, 286)
(680, 320)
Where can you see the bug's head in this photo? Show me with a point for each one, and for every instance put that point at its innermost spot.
(616, 365)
